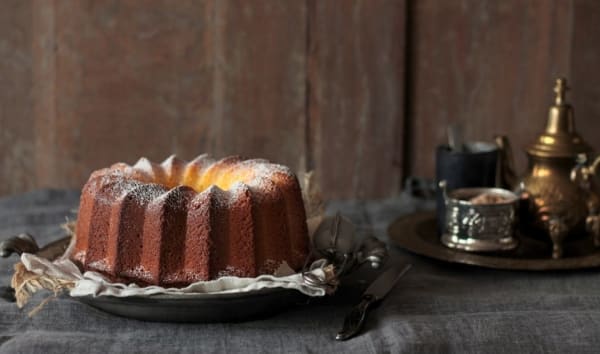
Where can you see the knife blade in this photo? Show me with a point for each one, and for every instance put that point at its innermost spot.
(385, 282)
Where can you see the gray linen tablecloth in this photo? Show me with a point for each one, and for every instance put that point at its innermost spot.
(436, 307)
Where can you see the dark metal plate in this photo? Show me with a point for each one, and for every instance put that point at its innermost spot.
(417, 233)
(192, 308)
(199, 309)
(172, 308)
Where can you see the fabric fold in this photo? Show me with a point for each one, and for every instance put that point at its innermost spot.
(95, 284)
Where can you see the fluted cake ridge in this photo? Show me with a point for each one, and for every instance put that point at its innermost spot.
(178, 222)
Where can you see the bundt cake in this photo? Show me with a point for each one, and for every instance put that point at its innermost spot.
(178, 222)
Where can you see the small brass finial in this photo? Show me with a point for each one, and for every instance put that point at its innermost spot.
(559, 139)
(560, 88)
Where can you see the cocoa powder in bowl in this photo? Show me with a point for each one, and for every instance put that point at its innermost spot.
(488, 198)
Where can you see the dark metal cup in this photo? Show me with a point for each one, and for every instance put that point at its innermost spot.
(473, 166)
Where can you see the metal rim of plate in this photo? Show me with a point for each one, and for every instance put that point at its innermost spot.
(199, 309)
(417, 234)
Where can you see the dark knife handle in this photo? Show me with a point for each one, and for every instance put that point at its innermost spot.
(18, 244)
(356, 318)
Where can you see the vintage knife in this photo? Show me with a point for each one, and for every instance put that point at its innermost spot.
(375, 292)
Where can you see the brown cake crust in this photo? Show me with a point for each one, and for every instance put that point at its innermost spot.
(179, 222)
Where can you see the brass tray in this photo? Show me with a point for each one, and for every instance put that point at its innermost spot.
(417, 233)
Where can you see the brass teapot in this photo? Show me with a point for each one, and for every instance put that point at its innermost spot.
(559, 190)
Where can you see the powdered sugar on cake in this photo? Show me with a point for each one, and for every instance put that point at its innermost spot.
(171, 217)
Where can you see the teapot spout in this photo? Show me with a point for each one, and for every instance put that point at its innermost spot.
(595, 167)
(506, 177)
(584, 173)
(586, 178)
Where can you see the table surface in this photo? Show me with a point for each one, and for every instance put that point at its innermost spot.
(436, 307)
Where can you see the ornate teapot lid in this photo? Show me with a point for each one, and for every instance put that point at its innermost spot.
(560, 138)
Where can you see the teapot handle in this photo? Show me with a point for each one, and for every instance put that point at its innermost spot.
(583, 174)
(595, 167)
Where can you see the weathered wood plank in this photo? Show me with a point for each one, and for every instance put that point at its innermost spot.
(131, 79)
(585, 75)
(43, 68)
(17, 167)
(124, 79)
(316, 84)
(487, 64)
(260, 75)
(356, 81)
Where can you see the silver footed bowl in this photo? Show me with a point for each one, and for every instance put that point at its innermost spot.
(480, 219)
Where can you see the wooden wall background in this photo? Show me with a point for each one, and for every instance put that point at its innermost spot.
(360, 90)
